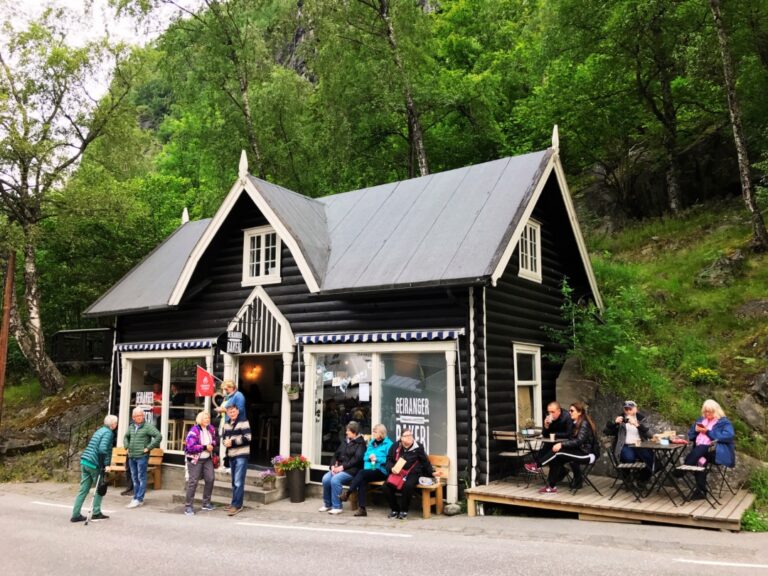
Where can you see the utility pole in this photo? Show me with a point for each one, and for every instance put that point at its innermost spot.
(6, 323)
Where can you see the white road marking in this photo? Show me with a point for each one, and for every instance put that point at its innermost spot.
(339, 530)
(54, 505)
(728, 564)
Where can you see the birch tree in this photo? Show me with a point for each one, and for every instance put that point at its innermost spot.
(49, 115)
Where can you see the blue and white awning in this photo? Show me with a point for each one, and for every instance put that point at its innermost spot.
(367, 337)
(152, 346)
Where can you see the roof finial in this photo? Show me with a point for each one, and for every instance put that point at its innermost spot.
(243, 164)
(556, 139)
(184, 216)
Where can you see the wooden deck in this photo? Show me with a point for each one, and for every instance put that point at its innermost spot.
(623, 508)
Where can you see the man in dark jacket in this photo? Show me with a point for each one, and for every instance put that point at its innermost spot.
(96, 457)
(630, 428)
(415, 463)
(556, 422)
(347, 461)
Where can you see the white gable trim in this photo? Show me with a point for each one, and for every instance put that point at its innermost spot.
(552, 164)
(243, 184)
(286, 334)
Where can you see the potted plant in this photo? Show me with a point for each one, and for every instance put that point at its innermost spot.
(277, 464)
(267, 479)
(528, 427)
(293, 391)
(295, 468)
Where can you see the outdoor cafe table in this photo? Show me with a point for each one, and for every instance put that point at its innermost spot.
(665, 459)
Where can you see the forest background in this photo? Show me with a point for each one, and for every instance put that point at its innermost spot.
(105, 144)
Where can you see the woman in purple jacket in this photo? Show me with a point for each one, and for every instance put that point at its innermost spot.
(200, 446)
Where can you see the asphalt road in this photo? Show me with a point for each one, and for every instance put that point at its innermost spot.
(37, 538)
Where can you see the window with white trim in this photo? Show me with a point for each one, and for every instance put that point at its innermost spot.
(261, 256)
(527, 384)
(530, 252)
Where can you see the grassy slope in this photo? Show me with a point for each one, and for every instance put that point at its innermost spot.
(697, 327)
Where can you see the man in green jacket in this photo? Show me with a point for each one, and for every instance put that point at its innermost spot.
(96, 456)
(139, 440)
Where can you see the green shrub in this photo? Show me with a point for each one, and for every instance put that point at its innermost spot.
(756, 518)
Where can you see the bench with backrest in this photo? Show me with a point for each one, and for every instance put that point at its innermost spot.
(154, 466)
(430, 495)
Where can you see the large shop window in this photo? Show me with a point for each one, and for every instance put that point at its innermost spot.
(398, 389)
(146, 390)
(527, 384)
(342, 394)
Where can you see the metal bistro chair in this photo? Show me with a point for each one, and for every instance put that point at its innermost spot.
(586, 470)
(625, 473)
(688, 473)
(721, 473)
(520, 454)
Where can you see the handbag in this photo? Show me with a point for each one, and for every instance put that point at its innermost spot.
(398, 480)
(215, 459)
(101, 486)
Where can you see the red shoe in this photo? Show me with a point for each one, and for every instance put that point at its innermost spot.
(532, 467)
(548, 490)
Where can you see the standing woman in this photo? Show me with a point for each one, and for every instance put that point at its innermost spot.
(712, 426)
(200, 445)
(580, 448)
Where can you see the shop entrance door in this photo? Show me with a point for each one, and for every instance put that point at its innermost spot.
(260, 378)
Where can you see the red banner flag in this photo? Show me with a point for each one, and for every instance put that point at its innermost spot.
(205, 385)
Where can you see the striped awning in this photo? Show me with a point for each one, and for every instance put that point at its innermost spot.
(152, 346)
(364, 337)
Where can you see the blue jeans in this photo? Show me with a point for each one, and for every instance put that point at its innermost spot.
(138, 468)
(633, 454)
(238, 467)
(332, 484)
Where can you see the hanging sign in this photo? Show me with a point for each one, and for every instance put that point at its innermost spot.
(204, 383)
(233, 342)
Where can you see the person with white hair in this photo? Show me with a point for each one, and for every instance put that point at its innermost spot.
(200, 448)
(712, 426)
(374, 469)
(96, 457)
(140, 439)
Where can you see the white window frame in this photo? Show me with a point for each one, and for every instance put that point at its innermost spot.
(274, 274)
(535, 351)
(448, 347)
(128, 358)
(530, 260)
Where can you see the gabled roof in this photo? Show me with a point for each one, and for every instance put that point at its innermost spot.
(149, 284)
(449, 228)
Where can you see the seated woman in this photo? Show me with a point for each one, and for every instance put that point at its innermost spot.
(346, 463)
(712, 426)
(416, 465)
(580, 448)
(374, 470)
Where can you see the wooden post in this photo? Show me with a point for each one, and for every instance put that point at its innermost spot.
(6, 323)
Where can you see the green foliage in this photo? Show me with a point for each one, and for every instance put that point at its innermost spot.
(700, 376)
(756, 518)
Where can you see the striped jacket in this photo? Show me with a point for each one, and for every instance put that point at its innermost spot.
(239, 432)
(98, 453)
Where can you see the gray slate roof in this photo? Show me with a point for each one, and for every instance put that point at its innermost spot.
(446, 228)
(149, 284)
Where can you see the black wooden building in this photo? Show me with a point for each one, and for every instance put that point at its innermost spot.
(423, 304)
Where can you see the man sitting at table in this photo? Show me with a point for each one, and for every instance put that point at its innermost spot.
(556, 422)
(630, 429)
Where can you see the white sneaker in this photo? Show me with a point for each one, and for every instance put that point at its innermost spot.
(335, 511)
(134, 504)
(323, 509)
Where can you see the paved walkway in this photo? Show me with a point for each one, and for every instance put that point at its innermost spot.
(706, 543)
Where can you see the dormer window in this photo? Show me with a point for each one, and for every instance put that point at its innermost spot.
(530, 252)
(261, 256)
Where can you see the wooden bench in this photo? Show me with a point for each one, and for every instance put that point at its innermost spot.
(154, 466)
(430, 495)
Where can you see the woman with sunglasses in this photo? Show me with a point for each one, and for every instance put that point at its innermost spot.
(580, 448)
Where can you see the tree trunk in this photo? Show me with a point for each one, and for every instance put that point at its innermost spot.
(759, 234)
(415, 132)
(29, 333)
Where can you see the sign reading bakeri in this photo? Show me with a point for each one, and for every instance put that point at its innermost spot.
(233, 342)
